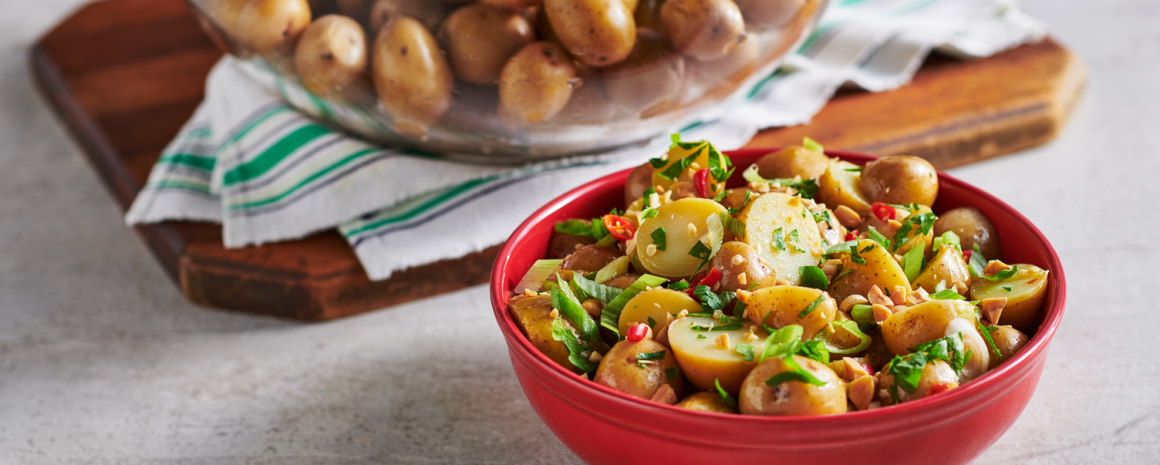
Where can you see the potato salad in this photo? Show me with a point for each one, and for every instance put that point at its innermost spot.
(820, 287)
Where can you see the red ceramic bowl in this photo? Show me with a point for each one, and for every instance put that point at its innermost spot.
(605, 426)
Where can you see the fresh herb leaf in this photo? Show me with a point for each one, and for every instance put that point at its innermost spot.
(813, 306)
(1007, 288)
(677, 168)
(651, 322)
(700, 250)
(855, 257)
(610, 316)
(1002, 275)
(648, 213)
(721, 196)
(657, 162)
(843, 247)
(582, 363)
(795, 373)
(808, 188)
(796, 241)
(907, 371)
(672, 372)
(923, 221)
(948, 238)
(779, 239)
(912, 263)
(947, 294)
(681, 285)
(660, 239)
(700, 336)
(594, 228)
(876, 236)
(710, 301)
(659, 355)
(810, 144)
(813, 276)
(597, 291)
(814, 349)
(781, 342)
(746, 350)
(703, 329)
(725, 395)
(853, 170)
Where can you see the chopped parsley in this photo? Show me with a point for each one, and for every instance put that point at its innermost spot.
(1007, 288)
(796, 241)
(923, 221)
(876, 236)
(704, 329)
(681, 285)
(659, 355)
(651, 322)
(672, 372)
(745, 350)
(725, 395)
(855, 257)
(710, 301)
(660, 239)
(794, 373)
(779, 239)
(807, 188)
(813, 306)
(813, 276)
(594, 228)
(907, 371)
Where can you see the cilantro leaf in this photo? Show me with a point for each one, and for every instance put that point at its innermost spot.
(855, 257)
(813, 306)
(843, 247)
(660, 238)
(679, 285)
(907, 370)
(677, 168)
(651, 322)
(594, 229)
(813, 276)
(808, 188)
(659, 355)
(700, 250)
(795, 373)
(779, 239)
(923, 221)
(746, 350)
(796, 241)
(582, 363)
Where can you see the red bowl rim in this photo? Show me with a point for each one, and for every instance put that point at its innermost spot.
(1037, 344)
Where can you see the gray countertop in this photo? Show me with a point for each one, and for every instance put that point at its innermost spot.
(102, 361)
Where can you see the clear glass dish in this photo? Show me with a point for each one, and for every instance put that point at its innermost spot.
(496, 81)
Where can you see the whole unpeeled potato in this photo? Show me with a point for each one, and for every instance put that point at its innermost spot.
(793, 161)
(272, 26)
(535, 84)
(479, 39)
(597, 32)
(735, 66)
(792, 397)
(899, 180)
(648, 81)
(703, 29)
(331, 54)
(411, 76)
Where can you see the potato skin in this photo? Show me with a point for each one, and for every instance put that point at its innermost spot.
(779, 306)
(639, 180)
(597, 32)
(921, 323)
(792, 397)
(1024, 301)
(412, 77)
(272, 26)
(706, 402)
(972, 227)
(793, 161)
(947, 267)
(649, 80)
(535, 84)
(618, 369)
(590, 258)
(733, 67)
(562, 245)
(427, 12)
(899, 180)
(479, 40)
(331, 54)
(1008, 340)
(532, 314)
(703, 29)
(756, 272)
(837, 186)
(675, 262)
(935, 372)
(880, 269)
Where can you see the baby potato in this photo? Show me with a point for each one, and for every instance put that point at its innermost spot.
(647, 15)
(947, 267)
(706, 402)
(479, 40)
(413, 80)
(879, 270)
(639, 180)
(272, 26)
(924, 322)
(655, 303)
(784, 233)
(839, 186)
(562, 245)
(1024, 300)
(596, 32)
(513, 5)
(589, 104)
(972, 227)
(535, 84)
(935, 373)
(532, 314)
(741, 268)
(734, 66)
(623, 370)
(780, 306)
(675, 217)
(735, 199)
(331, 54)
(430, 14)
(707, 354)
(764, 15)
(793, 161)
(899, 180)
(649, 81)
(1008, 340)
(677, 153)
(591, 258)
(703, 29)
(792, 397)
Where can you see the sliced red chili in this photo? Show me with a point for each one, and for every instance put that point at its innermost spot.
(851, 235)
(637, 333)
(939, 388)
(882, 211)
(619, 227)
(701, 182)
(869, 369)
(967, 255)
(709, 278)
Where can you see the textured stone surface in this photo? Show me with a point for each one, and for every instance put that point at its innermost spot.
(101, 361)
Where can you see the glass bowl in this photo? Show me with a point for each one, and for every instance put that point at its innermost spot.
(510, 80)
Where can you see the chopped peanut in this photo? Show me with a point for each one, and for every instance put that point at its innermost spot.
(665, 395)
(992, 308)
(738, 259)
(595, 357)
(849, 302)
(722, 341)
(899, 296)
(650, 250)
(794, 202)
(692, 229)
(861, 391)
(593, 307)
(919, 296)
(881, 313)
(743, 296)
(741, 278)
(898, 308)
(854, 369)
(555, 314)
(683, 313)
(995, 266)
(749, 336)
(782, 282)
(877, 297)
(529, 292)
(847, 217)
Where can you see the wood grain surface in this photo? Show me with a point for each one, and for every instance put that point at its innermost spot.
(124, 75)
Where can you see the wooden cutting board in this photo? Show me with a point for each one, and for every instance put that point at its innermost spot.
(124, 75)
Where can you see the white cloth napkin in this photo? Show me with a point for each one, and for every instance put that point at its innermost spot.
(251, 159)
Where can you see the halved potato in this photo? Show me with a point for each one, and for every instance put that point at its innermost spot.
(779, 306)
(674, 261)
(771, 223)
(948, 267)
(676, 153)
(839, 186)
(1028, 288)
(703, 360)
(532, 315)
(624, 370)
(655, 303)
(880, 269)
(924, 322)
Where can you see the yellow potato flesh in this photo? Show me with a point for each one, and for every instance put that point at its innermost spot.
(779, 306)
(655, 303)
(769, 213)
(706, 402)
(840, 187)
(532, 315)
(924, 322)
(675, 262)
(948, 267)
(702, 361)
(880, 269)
(1024, 300)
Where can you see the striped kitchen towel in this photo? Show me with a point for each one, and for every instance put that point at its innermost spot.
(255, 158)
